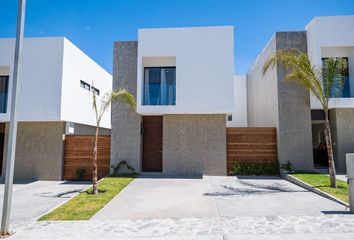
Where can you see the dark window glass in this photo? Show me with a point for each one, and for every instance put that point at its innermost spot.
(159, 86)
(345, 92)
(95, 90)
(85, 85)
(4, 82)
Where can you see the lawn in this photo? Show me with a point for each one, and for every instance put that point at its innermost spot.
(321, 181)
(85, 205)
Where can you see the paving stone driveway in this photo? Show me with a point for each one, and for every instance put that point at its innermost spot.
(209, 208)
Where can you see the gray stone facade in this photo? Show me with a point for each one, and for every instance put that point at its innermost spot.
(39, 150)
(342, 134)
(126, 124)
(273, 102)
(194, 144)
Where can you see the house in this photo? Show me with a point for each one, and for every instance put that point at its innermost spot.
(54, 100)
(185, 86)
(297, 115)
(183, 79)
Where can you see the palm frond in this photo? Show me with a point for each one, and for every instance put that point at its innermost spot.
(323, 83)
(114, 96)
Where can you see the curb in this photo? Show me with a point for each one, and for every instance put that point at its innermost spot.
(305, 185)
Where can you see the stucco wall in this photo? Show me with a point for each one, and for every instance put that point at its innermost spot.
(126, 124)
(194, 144)
(342, 135)
(204, 59)
(39, 150)
(273, 102)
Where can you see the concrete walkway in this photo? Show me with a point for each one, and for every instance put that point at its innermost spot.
(214, 197)
(30, 200)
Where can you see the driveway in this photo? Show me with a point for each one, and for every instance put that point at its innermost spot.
(32, 199)
(213, 196)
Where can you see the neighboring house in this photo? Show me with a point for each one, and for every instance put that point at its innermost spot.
(54, 99)
(183, 79)
(297, 116)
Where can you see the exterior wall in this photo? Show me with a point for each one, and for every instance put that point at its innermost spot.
(39, 151)
(81, 129)
(76, 102)
(332, 37)
(239, 116)
(204, 60)
(194, 144)
(50, 80)
(126, 124)
(262, 91)
(272, 102)
(40, 78)
(294, 130)
(342, 135)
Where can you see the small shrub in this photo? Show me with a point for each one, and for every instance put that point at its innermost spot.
(117, 167)
(80, 173)
(249, 168)
(287, 166)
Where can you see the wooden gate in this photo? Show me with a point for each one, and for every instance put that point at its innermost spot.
(78, 156)
(251, 145)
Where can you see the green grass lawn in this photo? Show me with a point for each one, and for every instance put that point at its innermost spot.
(84, 205)
(321, 181)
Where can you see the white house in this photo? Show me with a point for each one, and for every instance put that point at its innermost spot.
(184, 82)
(54, 99)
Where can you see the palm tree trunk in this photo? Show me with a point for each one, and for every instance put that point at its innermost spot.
(94, 163)
(331, 166)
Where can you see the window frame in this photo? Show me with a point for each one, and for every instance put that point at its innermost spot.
(143, 85)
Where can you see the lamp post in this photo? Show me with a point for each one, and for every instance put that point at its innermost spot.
(11, 148)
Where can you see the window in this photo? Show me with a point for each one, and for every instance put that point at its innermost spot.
(229, 118)
(85, 85)
(95, 90)
(346, 87)
(159, 86)
(4, 82)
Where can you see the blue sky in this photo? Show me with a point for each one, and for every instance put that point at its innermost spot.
(93, 25)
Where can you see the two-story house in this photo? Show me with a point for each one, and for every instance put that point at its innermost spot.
(54, 99)
(183, 79)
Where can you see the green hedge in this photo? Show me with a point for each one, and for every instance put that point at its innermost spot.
(248, 168)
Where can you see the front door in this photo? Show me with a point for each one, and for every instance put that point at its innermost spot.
(152, 143)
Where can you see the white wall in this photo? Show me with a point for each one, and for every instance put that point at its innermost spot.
(332, 37)
(77, 101)
(40, 78)
(50, 81)
(204, 68)
(239, 116)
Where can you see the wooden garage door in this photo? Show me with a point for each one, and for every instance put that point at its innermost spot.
(152, 143)
(251, 145)
(78, 155)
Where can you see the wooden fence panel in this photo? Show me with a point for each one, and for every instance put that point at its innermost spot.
(251, 145)
(78, 155)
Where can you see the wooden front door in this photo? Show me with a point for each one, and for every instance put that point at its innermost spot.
(152, 143)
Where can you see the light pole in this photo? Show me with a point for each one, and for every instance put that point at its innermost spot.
(11, 148)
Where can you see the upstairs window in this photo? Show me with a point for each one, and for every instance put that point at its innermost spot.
(4, 82)
(345, 92)
(95, 90)
(85, 85)
(159, 86)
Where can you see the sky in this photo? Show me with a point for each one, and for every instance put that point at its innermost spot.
(93, 25)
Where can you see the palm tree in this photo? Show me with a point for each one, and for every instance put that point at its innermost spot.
(109, 98)
(324, 83)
